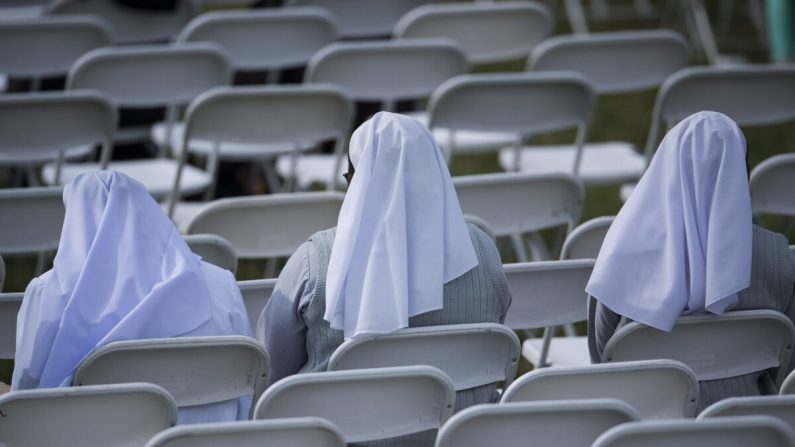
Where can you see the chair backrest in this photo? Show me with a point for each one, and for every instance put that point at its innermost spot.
(151, 76)
(543, 424)
(487, 32)
(788, 387)
(750, 95)
(195, 370)
(9, 309)
(256, 293)
(387, 71)
(31, 219)
(758, 431)
(268, 226)
(616, 62)
(213, 249)
(288, 432)
(39, 128)
(771, 185)
(364, 18)
(520, 203)
(585, 241)
(470, 354)
(48, 46)
(130, 25)
(781, 407)
(656, 389)
(268, 39)
(547, 293)
(366, 404)
(124, 415)
(714, 347)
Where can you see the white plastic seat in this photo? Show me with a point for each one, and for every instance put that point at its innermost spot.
(31, 219)
(288, 432)
(130, 25)
(771, 186)
(757, 431)
(656, 389)
(781, 407)
(213, 249)
(613, 63)
(487, 32)
(194, 370)
(9, 308)
(491, 352)
(585, 241)
(256, 293)
(566, 423)
(124, 415)
(361, 19)
(366, 404)
(515, 204)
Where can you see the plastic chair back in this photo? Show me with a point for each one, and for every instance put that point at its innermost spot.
(487, 32)
(358, 19)
(714, 347)
(771, 185)
(194, 370)
(9, 309)
(366, 404)
(48, 46)
(781, 407)
(560, 423)
(124, 415)
(270, 39)
(490, 352)
(290, 432)
(256, 293)
(31, 219)
(213, 249)
(619, 62)
(788, 387)
(585, 241)
(268, 226)
(656, 389)
(547, 293)
(758, 431)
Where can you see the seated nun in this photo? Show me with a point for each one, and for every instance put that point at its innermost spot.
(122, 272)
(684, 243)
(401, 255)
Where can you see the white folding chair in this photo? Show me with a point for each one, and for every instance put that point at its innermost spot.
(566, 423)
(378, 71)
(264, 40)
(515, 105)
(130, 25)
(714, 347)
(213, 249)
(194, 370)
(656, 389)
(585, 241)
(613, 63)
(48, 46)
(546, 295)
(771, 183)
(366, 404)
(470, 354)
(781, 407)
(153, 76)
(788, 387)
(487, 32)
(260, 123)
(31, 219)
(758, 431)
(123, 415)
(516, 204)
(361, 19)
(9, 309)
(256, 293)
(288, 432)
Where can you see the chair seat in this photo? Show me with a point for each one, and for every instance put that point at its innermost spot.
(228, 152)
(602, 163)
(156, 174)
(626, 190)
(312, 168)
(563, 351)
(468, 141)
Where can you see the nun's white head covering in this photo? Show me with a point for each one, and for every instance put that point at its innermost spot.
(122, 272)
(682, 242)
(401, 234)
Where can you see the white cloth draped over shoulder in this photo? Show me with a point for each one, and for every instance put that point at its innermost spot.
(122, 272)
(682, 242)
(400, 235)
